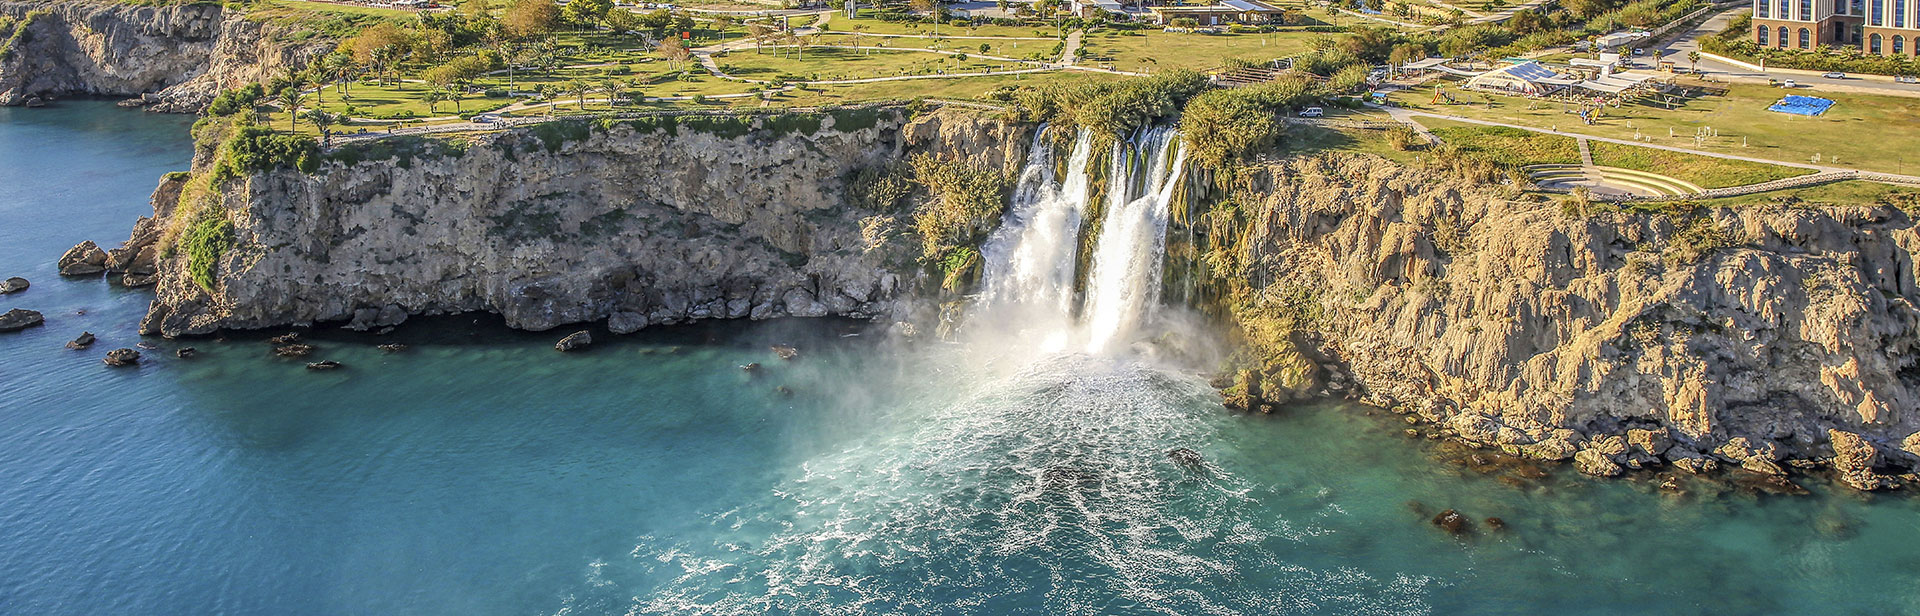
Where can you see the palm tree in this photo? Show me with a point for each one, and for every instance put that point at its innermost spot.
(759, 33)
(290, 103)
(612, 87)
(579, 88)
(860, 37)
(322, 120)
(455, 94)
(434, 95)
(1693, 60)
(720, 24)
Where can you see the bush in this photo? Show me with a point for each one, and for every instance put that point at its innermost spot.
(967, 199)
(258, 148)
(209, 238)
(236, 100)
(1224, 126)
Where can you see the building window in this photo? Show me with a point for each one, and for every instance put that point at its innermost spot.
(1856, 7)
(1840, 6)
(1899, 43)
(1760, 8)
(1899, 13)
(1806, 39)
(1806, 10)
(1879, 8)
(1783, 36)
(1873, 43)
(1760, 36)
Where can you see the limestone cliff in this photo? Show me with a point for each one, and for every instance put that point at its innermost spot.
(1745, 335)
(179, 56)
(644, 222)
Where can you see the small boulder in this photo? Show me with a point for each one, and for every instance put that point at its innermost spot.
(122, 357)
(134, 281)
(1496, 523)
(1650, 442)
(293, 350)
(288, 338)
(784, 391)
(86, 259)
(574, 342)
(1698, 465)
(13, 285)
(751, 368)
(19, 319)
(324, 365)
(392, 348)
(1592, 462)
(85, 340)
(184, 352)
(785, 351)
(1451, 521)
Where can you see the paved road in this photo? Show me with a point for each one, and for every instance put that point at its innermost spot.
(1676, 52)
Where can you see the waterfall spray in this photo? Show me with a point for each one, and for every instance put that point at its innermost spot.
(1126, 261)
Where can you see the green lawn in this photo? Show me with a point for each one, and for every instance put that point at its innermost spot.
(351, 9)
(372, 101)
(1856, 133)
(1505, 145)
(830, 63)
(1149, 51)
(1705, 171)
(842, 24)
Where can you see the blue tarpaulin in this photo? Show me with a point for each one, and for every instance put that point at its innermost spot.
(1802, 105)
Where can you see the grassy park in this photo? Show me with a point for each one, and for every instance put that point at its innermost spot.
(1853, 134)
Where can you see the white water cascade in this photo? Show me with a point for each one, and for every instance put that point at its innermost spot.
(1031, 259)
(1125, 284)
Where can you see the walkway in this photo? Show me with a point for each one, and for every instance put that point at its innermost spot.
(1069, 55)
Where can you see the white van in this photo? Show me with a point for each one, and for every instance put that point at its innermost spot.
(1312, 112)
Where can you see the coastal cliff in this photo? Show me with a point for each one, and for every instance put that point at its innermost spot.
(175, 57)
(650, 221)
(1747, 336)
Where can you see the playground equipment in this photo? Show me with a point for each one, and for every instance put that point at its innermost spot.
(1442, 93)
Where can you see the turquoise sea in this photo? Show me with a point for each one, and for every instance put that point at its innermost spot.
(481, 472)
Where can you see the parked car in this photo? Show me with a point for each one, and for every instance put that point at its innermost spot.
(486, 118)
(1788, 83)
(1312, 112)
(1907, 79)
(1834, 75)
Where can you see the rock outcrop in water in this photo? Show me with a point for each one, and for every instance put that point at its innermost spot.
(180, 55)
(648, 222)
(1749, 335)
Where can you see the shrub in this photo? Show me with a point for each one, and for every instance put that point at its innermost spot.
(236, 100)
(209, 238)
(1223, 126)
(967, 200)
(258, 148)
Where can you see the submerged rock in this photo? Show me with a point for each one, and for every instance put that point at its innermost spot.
(392, 348)
(13, 285)
(1496, 524)
(19, 319)
(1451, 521)
(83, 341)
(324, 365)
(1187, 458)
(293, 350)
(85, 259)
(287, 338)
(785, 351)
(184, 352)
(122, 357)
(574, 342)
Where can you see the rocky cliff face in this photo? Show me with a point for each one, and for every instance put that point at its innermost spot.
(180, 55)
(568, 222)
(1743, 336)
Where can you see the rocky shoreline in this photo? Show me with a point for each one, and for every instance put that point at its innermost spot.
(170, 58)
(1762, 338)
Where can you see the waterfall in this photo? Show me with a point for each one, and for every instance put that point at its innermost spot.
(1125, 283)
(1029, 271)
(1028, 281)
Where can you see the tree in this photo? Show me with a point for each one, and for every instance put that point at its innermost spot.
(925, 6)
(526, 19)
(1407, 53)
(612, 87)
(379, 47)
(586, 13)
(434, 95)
(579, 88)
(759, 33)
(1693, 60)
(860, 37)
(322, 119)
(675, 53)
(721, 24)
(290, 103)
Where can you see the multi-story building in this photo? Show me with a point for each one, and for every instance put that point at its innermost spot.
(1806, 24)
